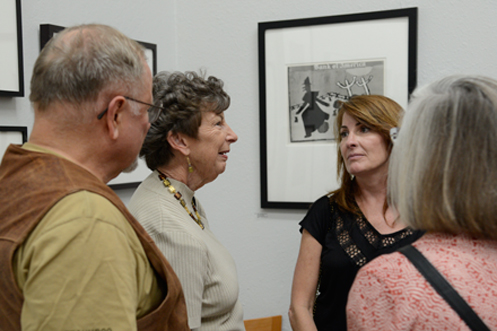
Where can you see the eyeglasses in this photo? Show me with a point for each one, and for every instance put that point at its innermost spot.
(153, 111)
(393, 134)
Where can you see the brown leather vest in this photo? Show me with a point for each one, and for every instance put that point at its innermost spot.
(30, 184)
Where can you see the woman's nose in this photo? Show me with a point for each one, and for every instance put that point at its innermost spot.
(231, 137)
(351, 139)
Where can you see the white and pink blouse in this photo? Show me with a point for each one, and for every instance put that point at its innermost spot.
(390, 294)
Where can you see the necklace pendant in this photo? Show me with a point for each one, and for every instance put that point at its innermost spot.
(178, 197)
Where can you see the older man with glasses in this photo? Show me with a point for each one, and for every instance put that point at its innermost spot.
(71, 255)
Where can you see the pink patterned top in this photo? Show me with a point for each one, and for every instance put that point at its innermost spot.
(390, 294)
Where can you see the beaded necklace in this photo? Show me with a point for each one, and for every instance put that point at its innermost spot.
(178, 197)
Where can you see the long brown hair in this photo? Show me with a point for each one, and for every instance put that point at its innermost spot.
(379, 114)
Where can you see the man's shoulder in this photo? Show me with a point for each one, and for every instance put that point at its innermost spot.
(85, 206)
(80, 220)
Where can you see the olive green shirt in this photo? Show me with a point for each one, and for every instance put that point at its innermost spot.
(83, 267)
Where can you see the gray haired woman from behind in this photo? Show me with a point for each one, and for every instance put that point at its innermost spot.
(442, 179)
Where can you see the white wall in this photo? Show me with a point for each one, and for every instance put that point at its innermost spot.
(455, 36)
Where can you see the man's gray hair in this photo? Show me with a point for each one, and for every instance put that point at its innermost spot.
(80, 62)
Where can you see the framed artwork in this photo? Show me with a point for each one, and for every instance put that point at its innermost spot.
(12, 135)
(11, 51)
(306, 68)
(47, 31)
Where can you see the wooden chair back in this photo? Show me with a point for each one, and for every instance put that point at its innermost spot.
(272, 323)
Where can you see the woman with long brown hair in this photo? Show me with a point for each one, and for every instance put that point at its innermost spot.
(350, 226)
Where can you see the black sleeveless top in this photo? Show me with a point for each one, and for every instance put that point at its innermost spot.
(349, 241)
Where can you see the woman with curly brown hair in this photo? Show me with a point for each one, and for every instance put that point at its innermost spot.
(187, 148)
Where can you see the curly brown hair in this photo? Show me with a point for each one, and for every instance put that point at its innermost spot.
(184, 96)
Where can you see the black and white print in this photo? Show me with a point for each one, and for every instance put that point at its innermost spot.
(315, 92)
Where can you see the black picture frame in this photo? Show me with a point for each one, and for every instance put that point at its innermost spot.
(296, 172)
(47, 31)
(151, 54)
(12, 66)
(12, 135)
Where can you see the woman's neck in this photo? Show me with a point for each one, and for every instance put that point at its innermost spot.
(371, 197)
(179, 172)
(372, 187)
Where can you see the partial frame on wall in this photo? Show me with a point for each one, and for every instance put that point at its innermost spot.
(11, 64)
(306, 67)
(150, 55)
(47, 31)
(124, 180)
(12, 135)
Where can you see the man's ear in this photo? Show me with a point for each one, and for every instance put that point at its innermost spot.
(114, 116)
(179, 142)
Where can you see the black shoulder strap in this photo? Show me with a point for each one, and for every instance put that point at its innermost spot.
(442, 286)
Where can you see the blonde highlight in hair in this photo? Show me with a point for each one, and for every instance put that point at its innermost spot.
(377, 112)
(443, 169)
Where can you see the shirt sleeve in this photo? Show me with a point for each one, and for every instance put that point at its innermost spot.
(317, 219)
(188, 257)
(79, 268)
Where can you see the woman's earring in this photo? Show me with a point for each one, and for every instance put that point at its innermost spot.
(190, 167)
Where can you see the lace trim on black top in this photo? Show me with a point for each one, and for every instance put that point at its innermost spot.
(372, 236)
